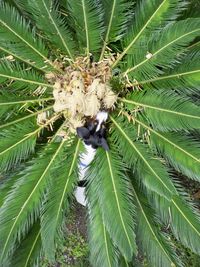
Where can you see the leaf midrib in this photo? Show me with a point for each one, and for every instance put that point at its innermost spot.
(31, 250)
(22, 59)
(177, 75)
(24, 118)
(25, 80)
(160, 50)
(161, 109)
(27, 43)
(138, 35)
(168, 141)
(109, 28)
(26, 101)
(55, 26)
(117, 199)
(86, 27)
(68, 176)
(150, 227)
(105, 238)
(138, 152)
(185, 217)
(27, 136)
(25, 203)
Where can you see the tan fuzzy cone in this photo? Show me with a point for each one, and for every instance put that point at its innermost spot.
(56, 93)
(60, 95)
(110, 98)
(68, 88)
(76, 75)
(93, 87)
(41, 117)
(80, 100)
(92, 105)
(74, 123)
(101, 90)
(58, 106)
(76, 102)
(77, 84)
(57, 85)
(50, 75)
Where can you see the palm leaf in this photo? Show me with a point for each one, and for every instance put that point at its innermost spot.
(88, 24)
(174, 147)
(23, 207)
(45, 14)
(182, 153)
(29, 252)
(149, 17)
(10, 103)
(21, 117)
(16, 36)
(154, 242)
(24, 77)
(176, 113)
(15, 54)
(185, 224)
(184, 77)
(179, 216)
(149, 168)
(117, 15)
(14, 148)
(56, 201)
(6, 185)
(102, 250)
(115, 200)
(164, 48)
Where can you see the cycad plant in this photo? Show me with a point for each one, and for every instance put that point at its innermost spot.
(61, 63)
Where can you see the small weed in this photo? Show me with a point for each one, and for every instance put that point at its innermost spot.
(74, 250)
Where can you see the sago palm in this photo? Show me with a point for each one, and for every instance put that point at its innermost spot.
(61, 63)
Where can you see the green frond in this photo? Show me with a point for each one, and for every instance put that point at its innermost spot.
(181, 217)
(184, 77)
(29, 252)
(15, 100)
(177, 113)
(24, 77)
(10, 52)
(21, 206)
(193, 50)
(137, 155)
(20, 5)
(164, 46)
(8, 105)
(56, 199)
(178, 215)
(49, 21)
(150, 16)
(117, 16)
(16, 147)
(16, 36)
(19, 117)
(107, 177)
(185, 223)
(102, 250)
(12, 102)
(88, 24)
(155, 244)
(6, 184)
(182, 152)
